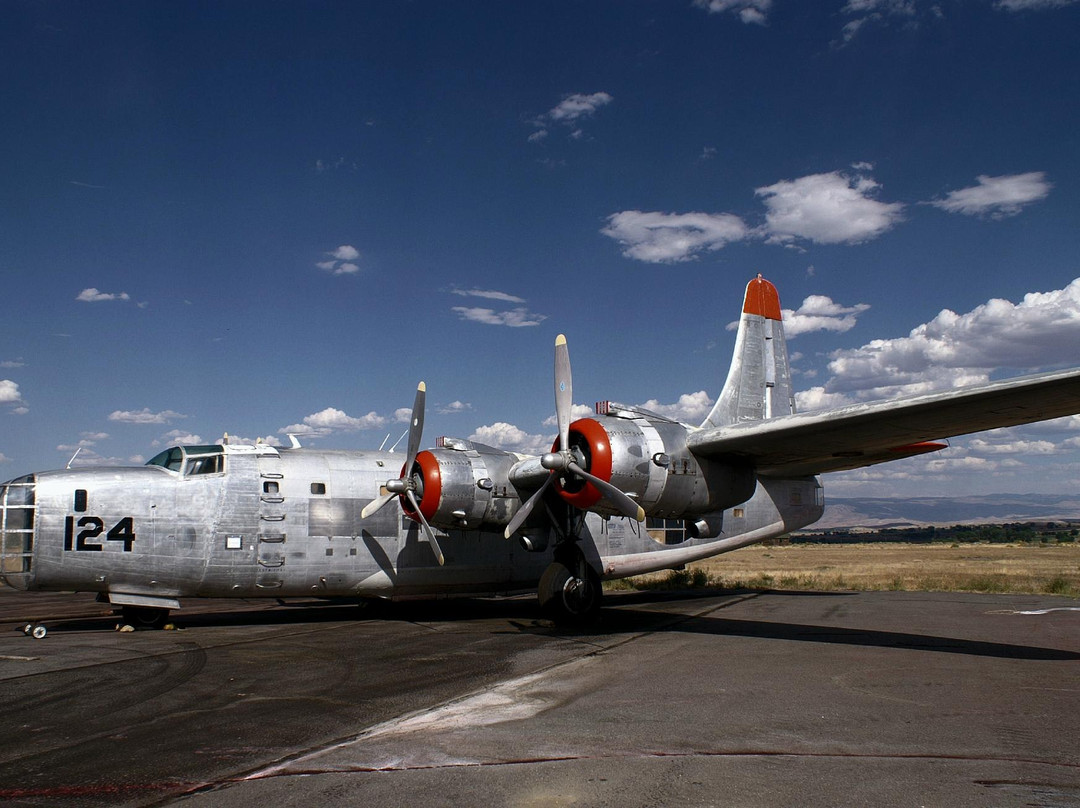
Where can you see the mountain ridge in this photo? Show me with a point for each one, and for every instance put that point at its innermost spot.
(880, 512)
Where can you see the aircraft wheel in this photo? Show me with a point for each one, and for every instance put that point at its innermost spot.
(568, 599)
(144, 616)
(38, 632)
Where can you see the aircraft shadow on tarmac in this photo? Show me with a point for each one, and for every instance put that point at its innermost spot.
(633, 613)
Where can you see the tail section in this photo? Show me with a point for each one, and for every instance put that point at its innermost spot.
(758, 385)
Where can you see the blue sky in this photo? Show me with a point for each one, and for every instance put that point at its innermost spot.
(263, 218)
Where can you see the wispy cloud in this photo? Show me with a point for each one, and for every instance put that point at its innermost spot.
(1031, 5)
(576, 106)
(514, 318)
(92, 295)
(664, 238)
(997, 197)
(749, 11)
(489, 294)
(144, 416)
(571, 111)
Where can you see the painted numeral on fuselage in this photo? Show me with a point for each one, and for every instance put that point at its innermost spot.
(92, 527)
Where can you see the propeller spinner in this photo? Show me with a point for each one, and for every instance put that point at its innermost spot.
(567, 460)
(411, 480)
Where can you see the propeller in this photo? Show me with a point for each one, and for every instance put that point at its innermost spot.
(409, 483)
(566, 458)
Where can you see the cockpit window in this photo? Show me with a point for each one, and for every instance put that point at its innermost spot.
(171, 459)
(191, 459)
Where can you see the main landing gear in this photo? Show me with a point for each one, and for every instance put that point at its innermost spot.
(570, 592)
(143, 617)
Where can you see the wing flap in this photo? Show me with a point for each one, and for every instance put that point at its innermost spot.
(865, 434)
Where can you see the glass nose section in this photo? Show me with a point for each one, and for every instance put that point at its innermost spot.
(17, 510)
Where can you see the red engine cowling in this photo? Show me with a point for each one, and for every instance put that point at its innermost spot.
(647, 458)
(464, 486)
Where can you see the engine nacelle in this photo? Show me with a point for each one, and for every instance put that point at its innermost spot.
(464, 485)
(705, 526)
(646, 457)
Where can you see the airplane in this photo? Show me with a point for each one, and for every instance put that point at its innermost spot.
(243, 521)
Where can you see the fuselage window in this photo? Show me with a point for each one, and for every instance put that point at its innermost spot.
(318, 488)
(270, 487)
(210, 464)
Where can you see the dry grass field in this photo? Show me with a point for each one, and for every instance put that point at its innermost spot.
(1021, 568)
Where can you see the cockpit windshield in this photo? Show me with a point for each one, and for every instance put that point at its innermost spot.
(191, 460)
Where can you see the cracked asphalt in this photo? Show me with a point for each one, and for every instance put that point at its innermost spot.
(702, 699)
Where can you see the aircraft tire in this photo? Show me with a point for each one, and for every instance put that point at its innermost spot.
(144, 616)
(567, 599)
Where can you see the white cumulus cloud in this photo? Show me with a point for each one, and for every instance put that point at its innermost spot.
(691, 408)
(832, 208)
(9, 392)
(330, 420)
(954, 350)
(346, 252)
(511, 438)
(343, 261)
(820, 313)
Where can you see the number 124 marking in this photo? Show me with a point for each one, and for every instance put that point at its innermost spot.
(92, 528)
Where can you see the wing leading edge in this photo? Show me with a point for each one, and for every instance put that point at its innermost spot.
(865, 434)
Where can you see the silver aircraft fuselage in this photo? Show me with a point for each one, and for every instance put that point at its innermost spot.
(251, 521)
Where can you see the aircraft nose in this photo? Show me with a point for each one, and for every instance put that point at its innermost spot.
(18, 508)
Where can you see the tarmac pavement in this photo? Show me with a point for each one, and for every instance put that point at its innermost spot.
(703, 699)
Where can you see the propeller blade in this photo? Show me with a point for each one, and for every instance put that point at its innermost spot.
(427, 528)
(564, 391)
(416, 426)
(623, 503)
(524, 511)
(376, 505)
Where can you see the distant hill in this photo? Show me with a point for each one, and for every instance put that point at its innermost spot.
(870, 512)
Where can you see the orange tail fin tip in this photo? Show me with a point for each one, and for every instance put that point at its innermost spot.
(762, 299)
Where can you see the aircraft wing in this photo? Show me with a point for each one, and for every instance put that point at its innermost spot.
(865, 434)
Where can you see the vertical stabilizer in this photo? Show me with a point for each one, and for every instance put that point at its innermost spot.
(758, 385)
